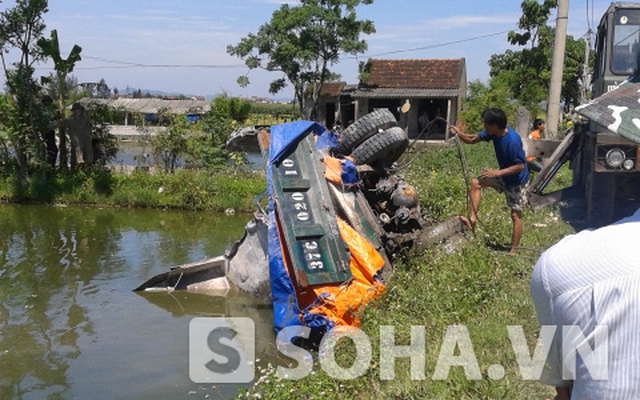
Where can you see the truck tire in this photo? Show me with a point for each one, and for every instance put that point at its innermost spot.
(384, 148)
(364, 128)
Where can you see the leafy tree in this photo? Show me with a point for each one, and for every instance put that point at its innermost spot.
(199, 143)
(105, 145)
(200, 152)
(226, 115)
(303, 42)
(64, 67)
(239, 109)
(171, 143)
(97, 89)
(20, 28)
(7, 122)
(276, 109)
(527, 72)
(480, 97)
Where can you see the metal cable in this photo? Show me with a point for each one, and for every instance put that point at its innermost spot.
(413, 142)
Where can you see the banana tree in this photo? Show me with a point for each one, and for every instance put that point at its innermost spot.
(51, 48)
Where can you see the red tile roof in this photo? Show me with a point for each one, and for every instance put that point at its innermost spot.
(416, 74)
(332, 89)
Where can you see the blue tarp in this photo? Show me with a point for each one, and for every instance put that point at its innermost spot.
(349, 173)
(285, 135)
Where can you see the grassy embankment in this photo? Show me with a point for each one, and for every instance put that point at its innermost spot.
(482, 289)
(185, 189)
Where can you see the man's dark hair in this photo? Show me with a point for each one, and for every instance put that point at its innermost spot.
(495, 116)
(537, 123)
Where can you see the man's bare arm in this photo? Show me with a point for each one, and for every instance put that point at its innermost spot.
(468, 139)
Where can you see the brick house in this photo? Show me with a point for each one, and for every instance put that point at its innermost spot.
(433, 88)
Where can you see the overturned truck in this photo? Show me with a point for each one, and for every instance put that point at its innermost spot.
(336, 217)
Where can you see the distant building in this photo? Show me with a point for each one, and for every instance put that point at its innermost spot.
(152, 108)
(256, 99)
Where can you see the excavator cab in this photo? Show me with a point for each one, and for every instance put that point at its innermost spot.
(604, 150)
(617, 47)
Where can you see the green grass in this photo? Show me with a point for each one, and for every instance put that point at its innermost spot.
(211, 190)
(477, 287)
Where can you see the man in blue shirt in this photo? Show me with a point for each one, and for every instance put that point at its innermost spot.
(513, 175)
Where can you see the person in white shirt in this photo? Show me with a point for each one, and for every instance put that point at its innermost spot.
(591, 280)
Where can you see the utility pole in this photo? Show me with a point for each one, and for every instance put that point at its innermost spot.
(585, 68)
(557, 66)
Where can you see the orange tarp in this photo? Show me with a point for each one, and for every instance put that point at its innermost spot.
(340, 303)
(333, 169)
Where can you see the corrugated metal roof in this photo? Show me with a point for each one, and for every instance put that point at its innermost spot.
(393, 93)
(153, 105)
(618, 111)
(133, 130)
(350, 88)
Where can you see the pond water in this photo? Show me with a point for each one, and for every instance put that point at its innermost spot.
(70, 324)
(132, 154)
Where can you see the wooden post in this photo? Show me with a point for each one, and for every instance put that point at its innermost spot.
(263, 141)
(446, 128)
(523, 124)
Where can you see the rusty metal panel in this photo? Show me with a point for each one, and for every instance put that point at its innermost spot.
(542, 148)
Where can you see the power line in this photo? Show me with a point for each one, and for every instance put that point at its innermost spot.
(128, 64)
(593, 13)
(433, 46)
(110, 60)
(209, 66)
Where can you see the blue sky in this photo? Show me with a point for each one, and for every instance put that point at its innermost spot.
(118, 36)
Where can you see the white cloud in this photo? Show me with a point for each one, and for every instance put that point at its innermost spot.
(500, 22)
(290, 2)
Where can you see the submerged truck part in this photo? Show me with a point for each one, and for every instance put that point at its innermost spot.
(244, 266)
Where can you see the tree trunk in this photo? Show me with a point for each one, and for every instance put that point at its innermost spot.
(63, 149)
(62, 135)
(21, 158)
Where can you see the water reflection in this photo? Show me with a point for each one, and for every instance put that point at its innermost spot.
(70, 326)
